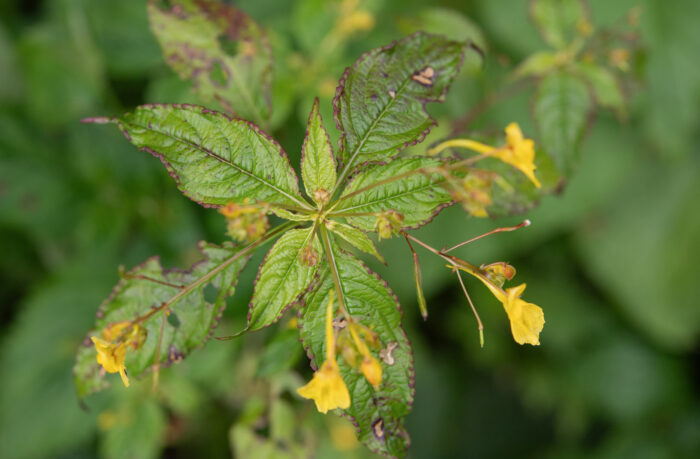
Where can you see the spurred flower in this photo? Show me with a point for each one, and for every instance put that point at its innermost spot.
(327, 388)
(518, 151)
(526, 319)
(111, 356)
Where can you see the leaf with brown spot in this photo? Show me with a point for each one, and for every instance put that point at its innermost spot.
(380, 101)
(219, 48)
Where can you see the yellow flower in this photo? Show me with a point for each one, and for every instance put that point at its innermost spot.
(111, 356)
(370, 367)
(327, 388)
(519, 152)
(526, 319)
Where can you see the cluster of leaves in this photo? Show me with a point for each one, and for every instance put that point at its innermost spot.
(218, 160)
(362, 187)
(107, 206)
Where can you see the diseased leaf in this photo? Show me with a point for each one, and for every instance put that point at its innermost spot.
(380, 102)
(283, 277)
(221, 49)
(149, 285)
(606, 88)
(317, 160)
(378, 415)
(557, 20)
(356, 238)
(214, 159)
(561, 107)
(417, 196)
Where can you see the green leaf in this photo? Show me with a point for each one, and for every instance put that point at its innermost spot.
(149, 285)
(283, 278)
(380, 101)
(537, 64)
(417, 196)
(561, 108)
(214, 159)
(370, 302)
(557, 20)
(221, 49)
(606, 88)
(317, 161)
(356, 238)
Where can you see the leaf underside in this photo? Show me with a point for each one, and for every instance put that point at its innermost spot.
(191, 321)
(378, 415)
(213, 158)
(379, 103)
(221, 50)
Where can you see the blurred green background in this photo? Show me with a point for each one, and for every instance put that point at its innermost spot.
(612, 260)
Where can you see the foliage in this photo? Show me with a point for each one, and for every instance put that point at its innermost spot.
(609, 260)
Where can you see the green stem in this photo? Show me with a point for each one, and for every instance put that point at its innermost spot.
(334, 271)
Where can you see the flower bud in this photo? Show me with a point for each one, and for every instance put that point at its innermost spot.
(499, 272)
(322, 196)
(372, 370)
(245, 222)
(388, 223)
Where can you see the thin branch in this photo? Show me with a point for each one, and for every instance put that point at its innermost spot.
(494, 231)
(151, 279)
(334, 271)
(476, 314)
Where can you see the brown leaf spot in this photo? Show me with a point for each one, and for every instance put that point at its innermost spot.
(174, 355)
(378, 429)
(386, 354)
(425, 76)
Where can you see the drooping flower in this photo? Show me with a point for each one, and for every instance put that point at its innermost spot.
(327, 388)
(370, 366)
(526, 319)
(111, 356)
